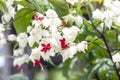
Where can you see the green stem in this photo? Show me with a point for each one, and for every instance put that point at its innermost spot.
(7, 56)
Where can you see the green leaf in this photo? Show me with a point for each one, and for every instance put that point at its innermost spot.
(60, 6)
(78, 9)
(85, 22)
(94, 40)
(22, 19)
(15, 46)
(80, 37)
(97, 22)
(91, 72)
(18, 77)
(3, 7)
(66, 68)
(37, 6)
(100, 1)
(54, 74)
(25, 3)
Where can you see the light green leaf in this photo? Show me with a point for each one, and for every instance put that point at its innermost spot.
(100, 1)
(22, 19)
(3, 7)
(86, 23)
(97, 22)
(15, 46)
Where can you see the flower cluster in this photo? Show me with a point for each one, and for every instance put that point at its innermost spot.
(111, 13)
(47, 36)
(5, 20)
(10, 11)
(2, 37)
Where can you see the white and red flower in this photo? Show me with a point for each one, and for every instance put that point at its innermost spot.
(51, 35)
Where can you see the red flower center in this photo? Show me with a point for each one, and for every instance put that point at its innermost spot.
(19, 67)
(63, 44)
(37, 63)
(45, 47)
(36, 17)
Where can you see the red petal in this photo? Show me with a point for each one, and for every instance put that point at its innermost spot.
(37, 63)
(64, 47)
(43, 45)
(19, 67)
(48, 46)
(63, 44)
(44, 50)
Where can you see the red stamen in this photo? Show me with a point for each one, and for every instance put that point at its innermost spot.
(63, 24)
(45, 47)
(63, 44)
(36, 17)
(41, 18)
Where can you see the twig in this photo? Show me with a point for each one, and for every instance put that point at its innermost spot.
(116, 40)
(105, 42)
(107, 48)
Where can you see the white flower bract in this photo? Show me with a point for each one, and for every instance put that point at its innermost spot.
(22, 39)
(12, 37)
(72, 1)
(116, 57)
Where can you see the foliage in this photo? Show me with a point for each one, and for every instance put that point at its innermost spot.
(95, 62)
